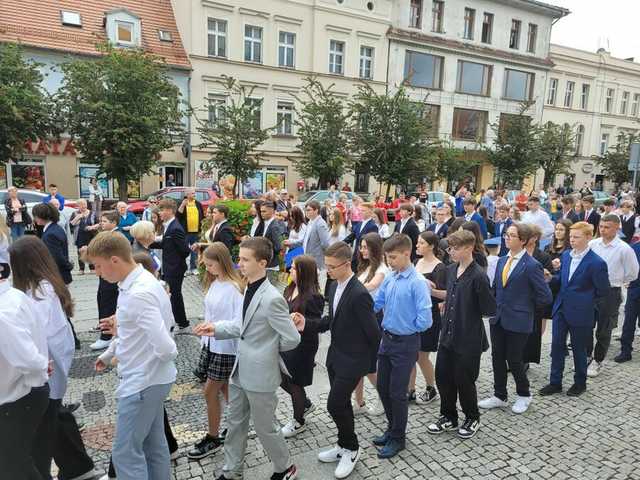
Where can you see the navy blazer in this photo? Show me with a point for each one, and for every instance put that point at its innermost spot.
(525, 292)
(175, 250)
(55, 238)
(634, 287)
(577, 298)
(500, 230)
(476, 217)
(442, 233)
(412, 231)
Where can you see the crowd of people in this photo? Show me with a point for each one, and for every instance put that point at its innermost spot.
(392, 281)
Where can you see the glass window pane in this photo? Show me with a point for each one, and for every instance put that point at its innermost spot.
(472, 78)
(222, 46)
(516, 85)
(422, 70)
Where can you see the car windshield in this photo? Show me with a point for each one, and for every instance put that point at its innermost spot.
(306, 196)
(436, 196)
(31, 197)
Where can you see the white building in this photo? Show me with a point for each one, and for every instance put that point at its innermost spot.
(474, 61)
(599, 96)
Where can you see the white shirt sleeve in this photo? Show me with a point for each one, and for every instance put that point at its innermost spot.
(150, 322)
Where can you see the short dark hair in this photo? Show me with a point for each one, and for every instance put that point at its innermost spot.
(168, 204)
(223, 209)
(588, 199)
(47, 212)
(534, 199)
(398, 242)
(611, 217)
(261, 247)
(111, 215)
(407, 207)
(461, 238)
(609, 202)
(525, 233)
(339, 250)
(568, 200)
(314, 204)
(53, 185)
(469, 201)
(269, 204)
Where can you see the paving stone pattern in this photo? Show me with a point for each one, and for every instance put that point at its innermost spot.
(592, 437)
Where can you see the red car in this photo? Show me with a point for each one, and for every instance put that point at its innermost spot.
(203, 195)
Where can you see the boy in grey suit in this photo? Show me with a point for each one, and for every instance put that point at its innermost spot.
(267, 329)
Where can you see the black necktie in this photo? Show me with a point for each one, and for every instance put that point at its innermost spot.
(260, 230)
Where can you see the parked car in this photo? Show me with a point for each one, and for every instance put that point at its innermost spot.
(599, 197)
(33, 197)
(322, 195)
(203, 195)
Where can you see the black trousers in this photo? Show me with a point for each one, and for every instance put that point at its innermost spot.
(59, 438)
(456, 376)
(606, 321)
(507, 348)
(177, 302)
(340, 409)
(107, 302)
(19, 422)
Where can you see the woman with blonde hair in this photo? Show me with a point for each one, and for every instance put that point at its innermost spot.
(223, 302)
(338, 231)
(144, 234)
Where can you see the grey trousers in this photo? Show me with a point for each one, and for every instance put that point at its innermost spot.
(261, 408)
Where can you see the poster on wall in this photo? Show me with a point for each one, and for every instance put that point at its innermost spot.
(3, 176)
(85, 174)
(276, 181)
(252, 187)
(226, 186)
(203, 179)
(28, 176)
(133, 189)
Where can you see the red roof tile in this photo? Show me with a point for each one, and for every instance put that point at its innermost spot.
(37, 23)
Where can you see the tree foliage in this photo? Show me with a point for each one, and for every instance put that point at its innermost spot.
(122, 111)
(615, 161)
(24, 104)
(454, 165)
(321, 125)
(556, 148)
(234, 133)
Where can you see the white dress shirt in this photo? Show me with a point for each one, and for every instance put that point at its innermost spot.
(541, 219)
(576, 258)
(23, 346)
(383, 230)
(145, 349)
(4, 248)
(339, 291)
(621, 260)
(60, 341)
(223, 302)
(166, 224)
(438, 227)
(514, 262)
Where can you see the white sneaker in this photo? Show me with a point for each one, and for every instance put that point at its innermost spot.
(359, 409)
(521, 404)
(100, 344)
(376, 409)
(330, 456)
(617, 335)
(106, 477)
(492, 402)
(292, 429)
(347, 463)
(594, 369)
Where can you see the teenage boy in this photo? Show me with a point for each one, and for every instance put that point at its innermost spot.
(355, 337)
(272, 231)
(631, 314)
(503, 222)
(568, 211)
(145, 351)
(406, 300)
(470, 215)
(462, 337)
(266, 330)
(53, 193)
(536, 216)
(408, 226)
(589, 214)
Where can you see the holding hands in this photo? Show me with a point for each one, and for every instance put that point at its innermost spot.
(205, 329)
(298, 320)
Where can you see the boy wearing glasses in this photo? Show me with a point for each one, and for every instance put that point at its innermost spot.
(462, 337)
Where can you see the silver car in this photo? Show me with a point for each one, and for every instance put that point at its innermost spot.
(31, 198)
(321, 195)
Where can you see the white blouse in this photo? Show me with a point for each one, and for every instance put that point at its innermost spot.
(223, 302)
(4, 248)
(299, 235)
(383, 269)
(342, 234)
(384, 231)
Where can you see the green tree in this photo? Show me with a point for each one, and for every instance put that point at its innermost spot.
(556, 149)
(454, 165)
(321, 124)
(233, 130)
(615, 161)
(390, 136)
(24, 103)
(122, 111)
(514, 152)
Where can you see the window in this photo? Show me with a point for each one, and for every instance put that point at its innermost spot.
(286, 49)
(514, 37)
(252, 44)
(336, 57)
(124, 32)
(604, 144)
(216, 110)
(518, 85)
(256, 105)
(438, 16)
(432, 113)
(634, 105)
(584, 98)
(608, 104)
(624, 102)
(487, 27)
(165, 36)
(366, 62)
(217, 37)
(473, 78)
(579, 139)
(469, 124)
(469, 22)
(70, 19)
(415, 14)
(568, 94)
(423, 70)
(532, 38)
(553, 91)
(285, 118)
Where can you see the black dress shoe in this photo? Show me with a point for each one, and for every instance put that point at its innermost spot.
(576, 390)
(622, 357)
(71, 407)
(550, 389)
(381, 440)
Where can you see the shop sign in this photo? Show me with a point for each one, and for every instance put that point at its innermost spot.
(50, 147)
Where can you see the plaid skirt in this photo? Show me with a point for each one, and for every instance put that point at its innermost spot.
(215, 366)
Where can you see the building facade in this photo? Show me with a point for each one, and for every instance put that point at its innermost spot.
(52, 33)
(599, 97)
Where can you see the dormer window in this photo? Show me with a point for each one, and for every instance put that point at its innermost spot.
(70, 19)
(123, 28)
(165, 36)
(124, 32)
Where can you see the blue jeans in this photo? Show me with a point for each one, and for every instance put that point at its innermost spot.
(579, 339)
(17, 230)
(140, 450)
(191, 239)
(631, 314)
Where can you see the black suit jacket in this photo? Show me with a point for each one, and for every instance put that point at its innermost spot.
(274, 233)
(225, 235)
(413, 232)
(571, 215)
(594, 219)
(174, 250)
(442, 233)
(55, 238)
(628, 227)
(355, 334)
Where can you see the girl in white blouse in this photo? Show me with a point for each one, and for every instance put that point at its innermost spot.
(338, 230)
(380, 219)
(223, 302)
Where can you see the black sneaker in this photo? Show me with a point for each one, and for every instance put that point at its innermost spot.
(289, 474)
(622, 357)
(442, 425)
(222, 436)
(428, 396)
(468, 428)
(576, 390)
(205, 447)
(411, 396)
(550, 389)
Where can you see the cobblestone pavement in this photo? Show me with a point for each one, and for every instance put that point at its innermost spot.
(592, 437)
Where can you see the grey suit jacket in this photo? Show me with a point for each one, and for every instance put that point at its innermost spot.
(266, 330)
(317, 239)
